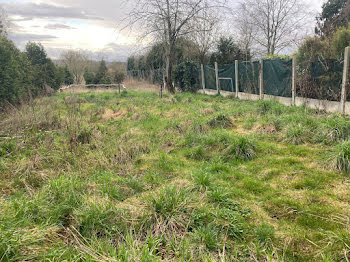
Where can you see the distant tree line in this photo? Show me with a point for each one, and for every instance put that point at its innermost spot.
(26, 75)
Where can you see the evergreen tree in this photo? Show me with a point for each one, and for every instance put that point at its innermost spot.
(102, 76)
(88, 77)
(68, 76)
(228, 51)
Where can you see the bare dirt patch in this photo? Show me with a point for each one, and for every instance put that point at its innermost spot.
(110, 114)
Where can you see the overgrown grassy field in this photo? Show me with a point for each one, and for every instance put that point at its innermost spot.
(132, 177)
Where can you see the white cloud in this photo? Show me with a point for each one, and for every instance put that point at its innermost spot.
(77, 24)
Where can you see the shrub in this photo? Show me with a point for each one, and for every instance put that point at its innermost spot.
(119, 77)
(186, 77)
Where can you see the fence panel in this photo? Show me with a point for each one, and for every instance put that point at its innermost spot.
(249, 77)
(227, 77)
(209, 75)
(278, 77)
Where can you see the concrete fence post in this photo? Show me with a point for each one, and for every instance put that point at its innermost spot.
(236, 78)
(345, 80)
(294, 80)
(217, 77)
(203, 77)
(261, 79)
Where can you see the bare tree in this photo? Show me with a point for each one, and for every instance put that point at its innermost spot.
(245, 31)
(272, 24)
(4, 24)
(206, 33)
(76, 63)
(169, 20)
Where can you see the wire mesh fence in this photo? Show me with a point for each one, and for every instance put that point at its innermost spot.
(316, 79)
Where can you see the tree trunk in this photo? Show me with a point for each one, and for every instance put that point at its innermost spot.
(169, 69)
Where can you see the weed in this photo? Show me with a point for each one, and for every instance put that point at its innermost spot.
(7, 147)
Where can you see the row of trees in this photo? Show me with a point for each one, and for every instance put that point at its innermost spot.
(25, 75)
(105, 75)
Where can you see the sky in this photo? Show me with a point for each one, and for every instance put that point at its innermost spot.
(91, 26)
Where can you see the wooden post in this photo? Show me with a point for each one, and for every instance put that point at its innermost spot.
(119, 87)
(294, 80)
(236, 78)
(203, 76)
(261, 79)
(217, 77)
(345, 80)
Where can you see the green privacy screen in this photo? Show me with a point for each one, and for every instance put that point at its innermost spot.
(209, 76)
(278, 77)
(248, 77)
(319, 79)
(227, 78)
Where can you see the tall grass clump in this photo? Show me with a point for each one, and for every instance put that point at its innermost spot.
(169, 202)
(342, 157)
(220, 121)
(269, 106)
(333, 130)
(297, 134)
(240, 148)
(224, 145)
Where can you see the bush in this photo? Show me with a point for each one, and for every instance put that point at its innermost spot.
(186, 77)
(119, 77)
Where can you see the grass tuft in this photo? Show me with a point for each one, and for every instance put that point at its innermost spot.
(221, 121)
(342, 158)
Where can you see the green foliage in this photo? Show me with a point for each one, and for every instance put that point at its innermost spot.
(340, 40)
(310, 48)
(15, 73)
(265, 233)
(102, 76)
(186, 77)
(88, 77)
(228, 51)
(44, 70)
(131, 63)
(68, 76)
(119, 77)
(335, 13)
